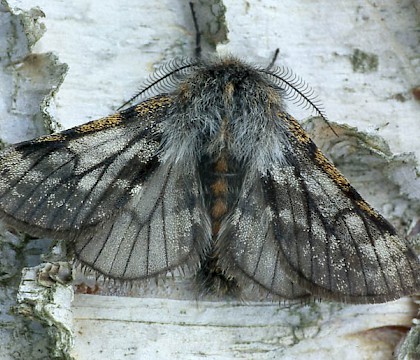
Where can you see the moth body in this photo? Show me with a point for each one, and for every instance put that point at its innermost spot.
(215, 175)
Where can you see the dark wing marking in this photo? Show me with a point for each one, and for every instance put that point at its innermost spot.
(248, 248)
(329, 240)
(71, 180)
(162, 227)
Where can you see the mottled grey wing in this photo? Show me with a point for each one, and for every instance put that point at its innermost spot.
(247, 245)
(328, 239)
(333, 246)
(58, 184)
(102, 187)
(162, 227)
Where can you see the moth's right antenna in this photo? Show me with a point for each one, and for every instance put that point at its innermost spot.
(197, 33)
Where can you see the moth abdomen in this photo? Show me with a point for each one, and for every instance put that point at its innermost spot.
(220, 179)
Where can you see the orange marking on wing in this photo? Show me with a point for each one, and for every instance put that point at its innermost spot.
(100, 124)
(331, 170)
(295, 128)
(363, 205)
(153, 104)
(53, 137)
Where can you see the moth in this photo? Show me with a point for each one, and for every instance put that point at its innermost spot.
(210, 173)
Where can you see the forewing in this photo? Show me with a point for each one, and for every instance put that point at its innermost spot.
(329, 240)
(71, 180)
(248, 248)
(162, 227)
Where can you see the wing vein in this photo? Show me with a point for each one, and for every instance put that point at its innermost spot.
(148, 222)
(165, 240)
